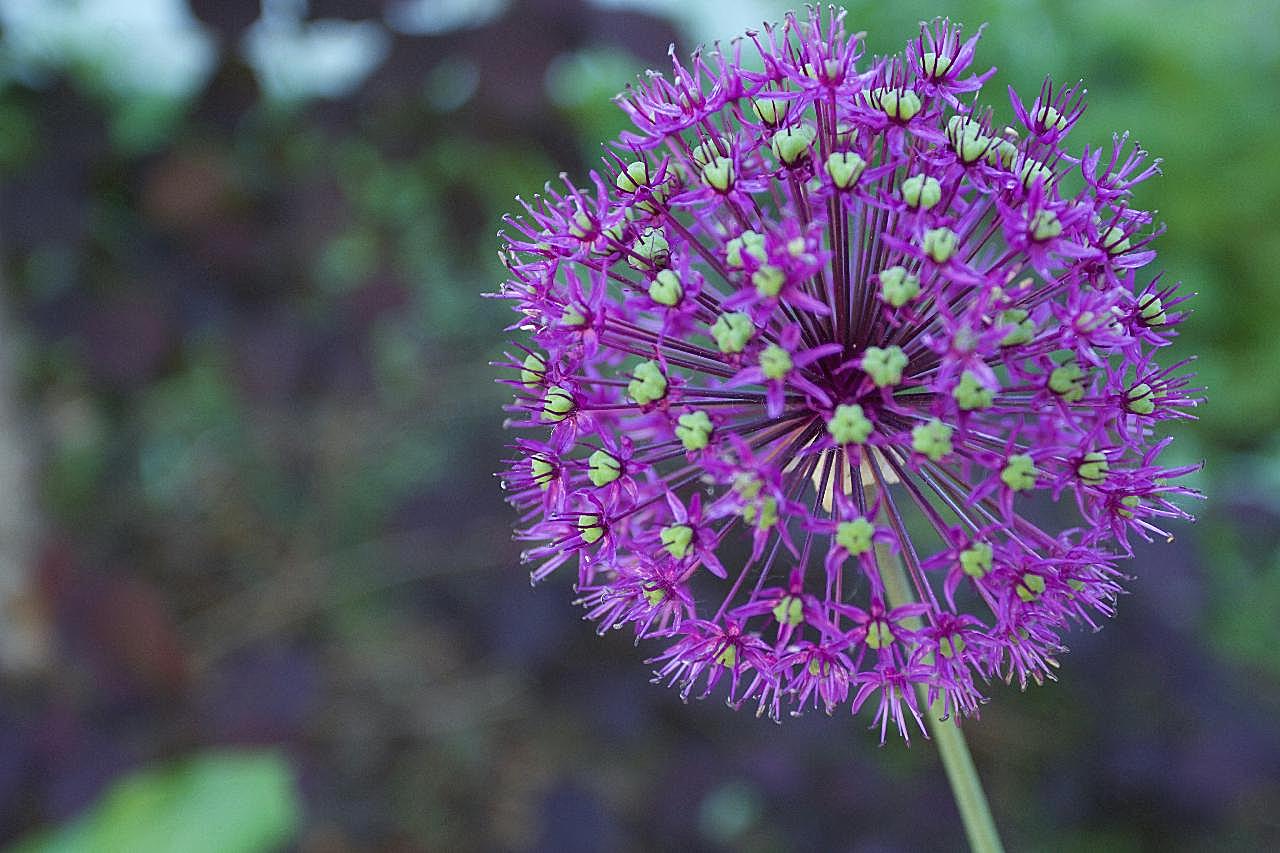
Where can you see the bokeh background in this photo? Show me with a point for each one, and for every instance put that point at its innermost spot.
(257, 585)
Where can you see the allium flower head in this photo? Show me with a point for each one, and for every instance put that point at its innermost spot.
(829, 314)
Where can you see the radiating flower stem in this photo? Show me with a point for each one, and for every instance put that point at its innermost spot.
(970, 798)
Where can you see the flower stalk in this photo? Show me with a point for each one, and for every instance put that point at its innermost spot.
(966, 787)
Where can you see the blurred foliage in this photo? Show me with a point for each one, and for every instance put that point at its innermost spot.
(211, 803)
(256, 361)
(1196, 85)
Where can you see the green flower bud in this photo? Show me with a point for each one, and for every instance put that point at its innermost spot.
(940, 244)
(532, 370)
(676, 539)
(967, 139)
(1024, 329)
(582, 226)
(897, 104)
(1114, 241)
(844, 168)
(1141, 399)
(694, 430)
(976, 560)
(922, 191)
(884, 366)
(665, 289)
(834, 70)
(898, 287)
(634, 176)
(1045, 225)
(705, 152)
(849, 425)
(1068, 382)
(719, 174)
(728, 658)
(970, 394)
(933, 65)
(789, 611)
(972, 147)
(648, 384)
(557, 403)
(654, 596)
(1093, 468)
(770, 112)
(732, 332)
(1050, 119)
(855, 536)
(1030, 587)
(1019, 473)
(791, 144)
(932, 439)
(749, 243)
(768, 280)
(650, 249)
(1151, 312)
(589, 528)
(1003, 153)
(543, 472)
(603, 468)
(775, 362)
(1032, 171)
(1129, 504)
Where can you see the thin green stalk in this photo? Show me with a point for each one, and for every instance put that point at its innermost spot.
(971, 800)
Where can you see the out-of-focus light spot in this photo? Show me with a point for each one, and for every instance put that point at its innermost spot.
(432, 17)
(126, 47)
(703, 21)
(326, 59)
(451, 83)
(727, 812)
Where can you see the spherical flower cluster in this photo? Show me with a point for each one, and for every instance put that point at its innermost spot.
(823, 317)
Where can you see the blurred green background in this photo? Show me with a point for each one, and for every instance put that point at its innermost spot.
(257, 586)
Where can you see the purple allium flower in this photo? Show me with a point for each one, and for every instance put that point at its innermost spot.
(817, 315)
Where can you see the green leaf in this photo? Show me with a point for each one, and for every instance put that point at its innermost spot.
(226, 801)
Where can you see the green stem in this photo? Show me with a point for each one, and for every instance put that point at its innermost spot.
(956, 760)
